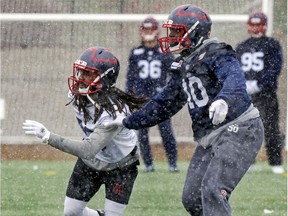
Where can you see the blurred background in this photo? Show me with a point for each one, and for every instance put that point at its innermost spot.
(37, 56)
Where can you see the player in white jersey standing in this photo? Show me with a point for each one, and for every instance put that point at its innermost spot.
(106, 156)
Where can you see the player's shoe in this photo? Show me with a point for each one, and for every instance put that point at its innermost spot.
(173, 169)
(100, 212)
(278, 169)
(149, 168)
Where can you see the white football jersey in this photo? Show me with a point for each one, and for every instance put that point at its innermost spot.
(121, 143)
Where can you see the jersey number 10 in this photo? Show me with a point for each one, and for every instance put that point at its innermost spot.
(196, 92)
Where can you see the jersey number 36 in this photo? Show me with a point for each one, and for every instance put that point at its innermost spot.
(149, 69)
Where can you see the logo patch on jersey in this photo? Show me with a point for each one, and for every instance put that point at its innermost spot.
(176, 65)
(201, 56)
(138, 51)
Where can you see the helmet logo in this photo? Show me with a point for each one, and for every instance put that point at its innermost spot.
(200, 57)
(180, 13)
(93, 54)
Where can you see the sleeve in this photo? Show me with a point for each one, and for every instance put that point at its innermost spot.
(131, 73)
(230, 74)
(160, 107)
(238, 51)
(88, 147)
(273, 66)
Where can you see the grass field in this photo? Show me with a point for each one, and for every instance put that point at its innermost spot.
(36, 188)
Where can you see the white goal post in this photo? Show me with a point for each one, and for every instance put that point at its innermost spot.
(267, 8)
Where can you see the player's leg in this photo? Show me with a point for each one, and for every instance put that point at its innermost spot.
(145, 149)
(118, 187)
(233, 153)
(74, 207)
(169, 143)
(82, 186)
(274, 140)
(191, 195)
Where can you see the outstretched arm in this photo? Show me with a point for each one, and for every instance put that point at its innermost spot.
(160, 108)
(85, 149)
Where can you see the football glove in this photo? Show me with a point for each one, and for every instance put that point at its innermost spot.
(252, 87)
(218, 111)
(37, 129)
(116, 122)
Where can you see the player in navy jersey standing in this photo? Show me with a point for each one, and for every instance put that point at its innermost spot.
(261, 60)
(106, 156)
(226, 125)
(147, 74)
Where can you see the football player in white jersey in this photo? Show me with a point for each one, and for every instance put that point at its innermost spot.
(106, 156)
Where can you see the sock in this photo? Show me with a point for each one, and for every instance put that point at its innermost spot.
(113, 208)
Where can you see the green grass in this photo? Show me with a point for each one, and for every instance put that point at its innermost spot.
(36, 188)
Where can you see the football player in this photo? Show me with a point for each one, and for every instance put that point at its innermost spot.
(147, 74)
(226, 126)
(106, 156)
(261, 60)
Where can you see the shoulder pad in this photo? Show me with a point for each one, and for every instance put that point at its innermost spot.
(138, 51)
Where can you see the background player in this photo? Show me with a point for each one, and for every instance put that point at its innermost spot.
(106, 156)
(146, 76)
(261, 60)
(226, 125)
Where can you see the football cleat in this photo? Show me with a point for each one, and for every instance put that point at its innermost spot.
(173, 169)
(278, 169)
(149, 168)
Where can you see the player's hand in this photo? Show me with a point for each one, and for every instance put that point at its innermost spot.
(252, 87)
(218, 111)
(117, 122)
(37, 129)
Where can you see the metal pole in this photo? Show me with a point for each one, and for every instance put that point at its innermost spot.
(267, 8)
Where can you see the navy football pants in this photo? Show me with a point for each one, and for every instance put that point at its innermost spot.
(213, 173)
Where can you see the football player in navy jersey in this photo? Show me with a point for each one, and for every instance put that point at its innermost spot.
(147, 74)
(226, 126)
(261, 60)
(106, 156)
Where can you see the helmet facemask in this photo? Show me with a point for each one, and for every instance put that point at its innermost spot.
(257, 24)
(85, 80)
(149, 32)
(180, 41)
(256, 31)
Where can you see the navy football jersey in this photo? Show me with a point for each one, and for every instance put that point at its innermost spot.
(211, 72)
(147, 71)
(261, 60)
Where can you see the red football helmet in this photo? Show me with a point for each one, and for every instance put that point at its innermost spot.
(96, 70)
(192, 24)
(149, 29)
(257, 24)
